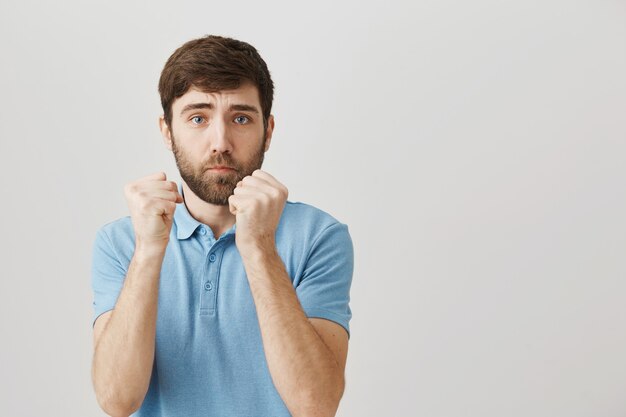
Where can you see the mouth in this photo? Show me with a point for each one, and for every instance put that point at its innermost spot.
(221, 168)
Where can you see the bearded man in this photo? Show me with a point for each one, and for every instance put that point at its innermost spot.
(217, 296)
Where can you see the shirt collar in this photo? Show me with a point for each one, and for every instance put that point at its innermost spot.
(185, 223)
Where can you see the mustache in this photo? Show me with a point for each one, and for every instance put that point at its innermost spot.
(221, 160)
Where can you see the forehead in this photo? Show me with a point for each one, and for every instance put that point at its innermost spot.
(247, 93)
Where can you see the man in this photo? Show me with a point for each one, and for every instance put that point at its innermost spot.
(217, 296)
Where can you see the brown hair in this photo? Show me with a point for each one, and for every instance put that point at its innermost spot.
(211, 64)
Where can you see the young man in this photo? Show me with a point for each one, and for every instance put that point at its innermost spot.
(217, 296)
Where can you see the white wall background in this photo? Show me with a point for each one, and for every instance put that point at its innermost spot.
(476, 150)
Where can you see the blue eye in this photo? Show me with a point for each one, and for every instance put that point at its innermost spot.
(241, 117)
(197, 119)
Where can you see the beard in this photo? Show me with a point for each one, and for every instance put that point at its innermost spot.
(216, 188)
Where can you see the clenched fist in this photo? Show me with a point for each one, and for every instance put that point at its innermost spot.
(257, 202)
(152, 201)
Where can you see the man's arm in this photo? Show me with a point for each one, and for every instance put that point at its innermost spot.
(306, 358)
(124, 338)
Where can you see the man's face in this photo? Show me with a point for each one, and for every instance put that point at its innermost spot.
(217, 139)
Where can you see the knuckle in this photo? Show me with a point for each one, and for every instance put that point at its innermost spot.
(144, 206)
(266, 198)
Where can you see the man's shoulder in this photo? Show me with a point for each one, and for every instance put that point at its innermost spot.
(119, 232)
(305, 222)
(308, 235)
(307, 214)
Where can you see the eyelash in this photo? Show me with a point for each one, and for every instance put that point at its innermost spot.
(246, 117)
(195, 117)
(201, 117)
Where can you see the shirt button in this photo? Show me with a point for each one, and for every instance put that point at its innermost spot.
(202, 231)
(208, 286)
(212, 257)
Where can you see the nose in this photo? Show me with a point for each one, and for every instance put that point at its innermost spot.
(219, 140)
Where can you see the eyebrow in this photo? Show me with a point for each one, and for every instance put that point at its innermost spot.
(210, 106)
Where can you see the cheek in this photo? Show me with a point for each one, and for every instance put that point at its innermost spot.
(252, 151)
(193, 144)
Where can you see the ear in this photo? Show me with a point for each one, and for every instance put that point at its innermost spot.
(270, 131)
(165, 132)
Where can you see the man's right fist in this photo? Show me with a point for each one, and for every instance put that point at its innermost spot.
(152, 201)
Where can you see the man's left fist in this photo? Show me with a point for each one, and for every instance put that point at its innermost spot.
(257, 202)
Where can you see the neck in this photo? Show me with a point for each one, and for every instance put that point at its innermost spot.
(218, 218)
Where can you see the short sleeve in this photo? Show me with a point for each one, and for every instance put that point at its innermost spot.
(107, 275)
(324, 290)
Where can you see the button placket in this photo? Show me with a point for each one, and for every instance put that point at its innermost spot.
(210, 279)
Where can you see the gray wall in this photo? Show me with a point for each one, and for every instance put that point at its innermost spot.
(476, 150)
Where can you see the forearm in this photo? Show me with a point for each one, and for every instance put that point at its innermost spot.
(124, 353)
(303, 369)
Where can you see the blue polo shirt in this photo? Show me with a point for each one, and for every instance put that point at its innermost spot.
(209, 358)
